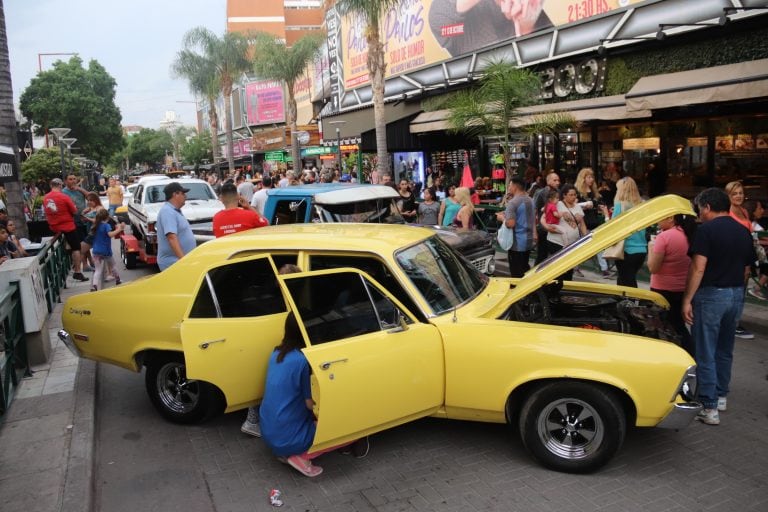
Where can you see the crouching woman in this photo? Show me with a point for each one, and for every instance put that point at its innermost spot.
(287, 420)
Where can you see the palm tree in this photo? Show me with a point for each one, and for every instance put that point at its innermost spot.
(372, 11)
(229, 57)
(274, 60)
(490, 108)
(202, 82)
(8, 130)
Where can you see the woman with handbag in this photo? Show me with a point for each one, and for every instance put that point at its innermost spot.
(635, 246)
(570, 224)
(595, 210)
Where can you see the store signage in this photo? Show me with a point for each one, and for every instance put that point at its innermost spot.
(582, 77)
(696, 142)
(642, 144)
(266, 103)
(320, 150)
(274, 156)
(269, 139)
(9, 169)
(335, 62)
(349, 147)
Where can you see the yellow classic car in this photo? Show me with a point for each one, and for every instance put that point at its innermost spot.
(397, 326)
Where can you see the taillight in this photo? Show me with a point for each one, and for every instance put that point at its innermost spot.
(151, 227)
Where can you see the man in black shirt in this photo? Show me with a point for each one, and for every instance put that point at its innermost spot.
(721, 255)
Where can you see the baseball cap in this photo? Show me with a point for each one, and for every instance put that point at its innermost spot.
(172, 188)
(57, 182)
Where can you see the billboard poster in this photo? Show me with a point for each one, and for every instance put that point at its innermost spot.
(265, 103)
(320, 74)
(334, 46)
(302, 93)
(420, 33)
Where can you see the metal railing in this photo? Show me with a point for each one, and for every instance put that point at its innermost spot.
(55, 263)
(13, 347)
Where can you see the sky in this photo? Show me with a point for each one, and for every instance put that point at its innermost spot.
(135, 40)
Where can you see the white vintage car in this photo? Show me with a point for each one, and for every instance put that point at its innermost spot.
(141, 243)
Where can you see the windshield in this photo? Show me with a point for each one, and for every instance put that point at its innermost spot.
(197, 191)
(443, 278)
(378, 211)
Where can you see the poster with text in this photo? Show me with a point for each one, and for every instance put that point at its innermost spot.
(266, 102)
(419, 33)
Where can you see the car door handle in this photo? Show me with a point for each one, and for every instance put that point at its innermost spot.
(327, 364)
(204, 345)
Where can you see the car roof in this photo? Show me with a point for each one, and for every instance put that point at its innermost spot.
(381, 239)
(336, 193)
(166, 180)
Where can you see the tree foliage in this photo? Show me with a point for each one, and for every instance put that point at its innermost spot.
(196, 149)
(227, 56)
(43, 164)
(81, 99)
(203, 81)
(492, 106)
(274, 60)
(371, 12)
(149, 147)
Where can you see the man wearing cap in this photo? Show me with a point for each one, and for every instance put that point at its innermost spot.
(60, 212)
(174, 234)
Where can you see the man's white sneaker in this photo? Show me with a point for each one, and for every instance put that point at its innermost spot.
(252, 429)
(709, 416)
(722, 404)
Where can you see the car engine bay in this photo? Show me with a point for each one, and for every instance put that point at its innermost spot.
(602, 312)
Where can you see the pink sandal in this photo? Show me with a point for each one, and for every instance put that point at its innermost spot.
(304, 466)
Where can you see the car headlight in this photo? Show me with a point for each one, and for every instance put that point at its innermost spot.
(688, 386)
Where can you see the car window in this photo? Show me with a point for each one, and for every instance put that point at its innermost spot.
(290, 211)
(372, 266)
(339, 306)
(197, 191)
(237, 290)
(375, 211)
(139, 193)
(443, 278)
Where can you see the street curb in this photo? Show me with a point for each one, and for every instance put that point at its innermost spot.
(78, 491)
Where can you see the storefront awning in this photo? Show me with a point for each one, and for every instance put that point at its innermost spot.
(354, 123)
(732, 82)
(607, 108)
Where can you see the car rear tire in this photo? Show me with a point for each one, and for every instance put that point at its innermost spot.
(129, 258)
(178, 399)
(574, 427)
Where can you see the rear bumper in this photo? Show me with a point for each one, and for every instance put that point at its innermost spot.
(68, 342)
(680, 416)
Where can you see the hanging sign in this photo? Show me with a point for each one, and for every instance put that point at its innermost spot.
(9, 167)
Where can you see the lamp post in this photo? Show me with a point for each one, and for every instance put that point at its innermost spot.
(60, 133)
(69, 141)
(338, 145)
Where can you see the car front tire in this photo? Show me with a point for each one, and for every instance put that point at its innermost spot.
(574, 427)
(177, 398)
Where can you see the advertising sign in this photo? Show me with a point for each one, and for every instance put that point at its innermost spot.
(335, 62)
(265, 102)
(419, 33)
(274, 156)
(9, 169)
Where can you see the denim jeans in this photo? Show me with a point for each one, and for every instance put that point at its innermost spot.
(715, 314)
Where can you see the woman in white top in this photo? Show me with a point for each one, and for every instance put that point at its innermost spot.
(570, 226)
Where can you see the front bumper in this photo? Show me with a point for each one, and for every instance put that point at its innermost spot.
(680, 416)
(68, 342)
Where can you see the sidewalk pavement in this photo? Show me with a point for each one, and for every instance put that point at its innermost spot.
(47, 437)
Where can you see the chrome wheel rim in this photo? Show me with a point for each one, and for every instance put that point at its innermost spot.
(176, 392)
(570, 428)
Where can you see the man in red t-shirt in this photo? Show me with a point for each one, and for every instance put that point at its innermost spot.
(237, 214)
(60, 213)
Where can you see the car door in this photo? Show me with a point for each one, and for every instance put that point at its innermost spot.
(234, 323)
(374, 365)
